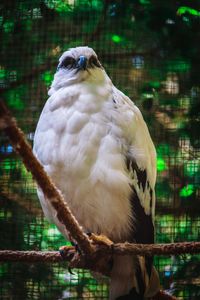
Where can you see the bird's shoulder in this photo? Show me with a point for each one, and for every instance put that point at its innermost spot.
(127, 108)
(122, 100)
(141, 154)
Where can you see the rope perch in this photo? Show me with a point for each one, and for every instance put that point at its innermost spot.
(120, 249)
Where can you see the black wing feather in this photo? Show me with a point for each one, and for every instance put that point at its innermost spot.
(143, 227)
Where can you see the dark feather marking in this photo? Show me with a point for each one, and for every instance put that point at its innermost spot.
(141, 174)
(140, 280)
(143, 231)
(143, 228)
(151, 199)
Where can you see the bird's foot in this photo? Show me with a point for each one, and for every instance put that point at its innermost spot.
(67, 252)
(100, 239)
(77, 249)
(73, 256)
(100, 243)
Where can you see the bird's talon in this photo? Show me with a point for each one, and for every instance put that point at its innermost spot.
(62, 253)
(66, 251)
(101, 239)
(89, 234)
(112, 248)
(70, 270)
(75, 245)
(77, 248)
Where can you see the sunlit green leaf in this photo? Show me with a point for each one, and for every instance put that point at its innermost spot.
(53, 233)
(161, 164)
(9, 164)
(147, 95)
(116, 38)
(47, 77)
(185, 9)
(60, 5)
(187, 190)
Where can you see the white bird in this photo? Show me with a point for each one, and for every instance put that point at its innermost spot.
(93, 142)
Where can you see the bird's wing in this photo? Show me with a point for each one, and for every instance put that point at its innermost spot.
(140, 154)
(140, 157)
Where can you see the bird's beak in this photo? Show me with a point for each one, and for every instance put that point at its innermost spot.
(82, 62)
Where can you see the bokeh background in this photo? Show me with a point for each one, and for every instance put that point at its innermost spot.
(151, 50)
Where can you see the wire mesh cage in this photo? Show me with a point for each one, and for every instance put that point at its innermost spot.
(150, 49)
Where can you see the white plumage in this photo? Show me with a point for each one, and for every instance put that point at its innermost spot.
(93, 142)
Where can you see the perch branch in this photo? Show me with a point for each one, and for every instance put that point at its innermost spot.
(71, 256)
(30, 256)
(53, 195)
(119, 248)
(157, 249)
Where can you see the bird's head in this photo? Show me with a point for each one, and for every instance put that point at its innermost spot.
(76, 65)
(79, 59)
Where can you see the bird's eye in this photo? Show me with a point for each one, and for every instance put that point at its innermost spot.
(68, 62)
(93, 61)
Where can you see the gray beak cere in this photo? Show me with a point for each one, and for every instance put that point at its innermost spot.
(82, 62)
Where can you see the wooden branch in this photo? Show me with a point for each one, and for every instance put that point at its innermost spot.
(53, 195)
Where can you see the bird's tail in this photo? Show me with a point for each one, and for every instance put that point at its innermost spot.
(130, 280)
